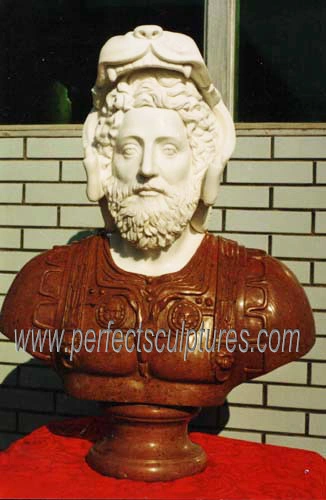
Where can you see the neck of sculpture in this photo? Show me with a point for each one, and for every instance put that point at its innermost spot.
(155, 262)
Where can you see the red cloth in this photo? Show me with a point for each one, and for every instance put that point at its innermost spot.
(50, 463)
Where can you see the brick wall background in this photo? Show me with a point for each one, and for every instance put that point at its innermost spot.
(273, 197)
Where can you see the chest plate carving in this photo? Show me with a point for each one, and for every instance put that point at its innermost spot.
(202, 295)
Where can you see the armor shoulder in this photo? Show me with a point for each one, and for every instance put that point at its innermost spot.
(275, 298)
(289, 306)
(35, 298)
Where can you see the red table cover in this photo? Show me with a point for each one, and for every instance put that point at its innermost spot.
(50, 463)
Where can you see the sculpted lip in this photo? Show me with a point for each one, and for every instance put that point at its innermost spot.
(148, 191)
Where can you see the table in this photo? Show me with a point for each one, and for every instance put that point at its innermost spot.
(50, 463)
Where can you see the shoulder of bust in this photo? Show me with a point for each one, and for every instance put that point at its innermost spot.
(57, 257)
(33, 298)
(273, 294)
(267, 296)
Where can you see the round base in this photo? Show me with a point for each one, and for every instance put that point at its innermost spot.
(148, 443)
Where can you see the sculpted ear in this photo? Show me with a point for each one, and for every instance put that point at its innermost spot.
(95, 169)
(225, 147)
(211, 181)
(92, 162)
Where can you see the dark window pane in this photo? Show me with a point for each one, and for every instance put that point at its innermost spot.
(50, 50)
(282, 61)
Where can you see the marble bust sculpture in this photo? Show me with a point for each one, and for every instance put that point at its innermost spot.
(156, 143)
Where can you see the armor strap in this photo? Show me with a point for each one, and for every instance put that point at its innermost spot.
(73, 289)
(231, 258)
(82, 259)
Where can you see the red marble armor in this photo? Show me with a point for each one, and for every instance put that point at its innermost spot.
(224, 285)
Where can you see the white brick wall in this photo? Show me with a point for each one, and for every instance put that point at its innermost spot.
(215, 220)
(26, 170)
(11, 193)
(303, 197)
(10, 238)
(253, 147)
(316, 296)
(44, 238)
(320, 222)
(318, 374)
(292, 373)
(11, 148)
(300, 147)
(321, 172)
(320, 272)
(306, 443)
(247, 394)
(246, 436)
(73, 171)
(269, 221)
(81, 217)
(54, 194)
(320, 320)
(273, 197)
(65, 147)
(250, 240)
(297, 397)
(317, 424)
(266, 420)
(269, 172)
(304, 247)
(241, 196)
(318, 352)
(20, 216)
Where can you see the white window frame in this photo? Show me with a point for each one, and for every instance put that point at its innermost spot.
(220, 46)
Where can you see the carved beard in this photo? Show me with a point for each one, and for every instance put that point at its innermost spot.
(151, 222)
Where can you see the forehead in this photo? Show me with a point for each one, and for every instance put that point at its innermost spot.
(151, 123)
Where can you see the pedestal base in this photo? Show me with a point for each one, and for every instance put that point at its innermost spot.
(148, 443)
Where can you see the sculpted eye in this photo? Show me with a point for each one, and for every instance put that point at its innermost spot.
(170, 149)
(129, 150)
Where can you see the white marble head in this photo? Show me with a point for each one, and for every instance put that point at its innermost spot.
(159, 136)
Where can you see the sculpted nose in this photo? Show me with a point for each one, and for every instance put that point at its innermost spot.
(148, 31)
(147, 167)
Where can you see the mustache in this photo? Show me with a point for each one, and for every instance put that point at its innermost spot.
(119, 191)
(154, 185)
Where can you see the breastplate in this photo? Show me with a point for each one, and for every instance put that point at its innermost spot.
(202, 294)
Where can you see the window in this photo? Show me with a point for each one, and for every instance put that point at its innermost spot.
(50, 50)
(281, 61)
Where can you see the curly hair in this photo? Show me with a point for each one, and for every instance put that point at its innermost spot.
(160, 89)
